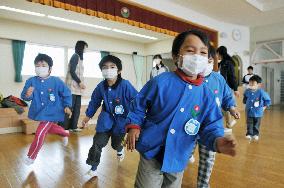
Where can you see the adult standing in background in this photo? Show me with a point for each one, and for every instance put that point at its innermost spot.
(75, 81)
(226, 68)
(159, 66)
(246, 78)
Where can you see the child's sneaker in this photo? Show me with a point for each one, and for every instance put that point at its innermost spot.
(65, 141)
(231, 124)
(120, 155)
(28, 161)
(255, 137)
(92, 173)
(192, 159)
(248, 137)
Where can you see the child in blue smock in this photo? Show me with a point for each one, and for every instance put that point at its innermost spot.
(114, 94)
(171, 111)
(50, 99)
(225, 100)
(256, 101)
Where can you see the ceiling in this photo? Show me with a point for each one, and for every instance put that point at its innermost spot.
(242, 12)
(47, 10)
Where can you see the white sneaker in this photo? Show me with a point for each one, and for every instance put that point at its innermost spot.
(65, 141)
(28, 161)
(248, 137)
(192, 159)
(120, 155)
(231, 124)
(255, 137)
(92, 173)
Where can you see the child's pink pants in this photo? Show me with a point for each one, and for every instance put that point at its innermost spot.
(43, 129)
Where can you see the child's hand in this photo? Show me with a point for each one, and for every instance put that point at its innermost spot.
(226, 145)
(264, 108)
(234, 112)
(68, 111)
(132, 137)
(29, 91)
(84, 123)
(82, 86)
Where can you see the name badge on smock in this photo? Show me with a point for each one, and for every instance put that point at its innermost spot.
(218, 101)
(256, 104)
(192, 127)
(119, 109)
(52, 97)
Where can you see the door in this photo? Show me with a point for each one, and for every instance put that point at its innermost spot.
(268, 81)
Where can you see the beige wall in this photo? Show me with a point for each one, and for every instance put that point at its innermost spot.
(58, 37)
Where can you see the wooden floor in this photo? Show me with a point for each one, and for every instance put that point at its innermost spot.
(257, 165)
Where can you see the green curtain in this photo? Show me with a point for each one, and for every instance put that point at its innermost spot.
(18, 48)
(104, 53)
(138, 62)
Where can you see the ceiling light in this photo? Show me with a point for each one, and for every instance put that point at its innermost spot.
(78, 22)
(134, 34)
(21, 11)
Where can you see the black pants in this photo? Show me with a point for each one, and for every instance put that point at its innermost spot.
(253, 125)
(100, 140)
(71, 123)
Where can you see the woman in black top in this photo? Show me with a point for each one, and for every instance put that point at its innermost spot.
(226, 68)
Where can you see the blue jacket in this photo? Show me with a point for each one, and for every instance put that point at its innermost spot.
(171, 114)
(49, 98)
(115, 107)
(255, 101)
(223, 93)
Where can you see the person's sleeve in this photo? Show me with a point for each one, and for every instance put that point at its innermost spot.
(228, 100)
(231, 77)
(266, 99)
(245, 97)
(24, 91)
(131, 92)
(73, 65)
(212, 127)
(167, 69)
(65, 94)
(95, 102)
(244, 80)
(140, 104)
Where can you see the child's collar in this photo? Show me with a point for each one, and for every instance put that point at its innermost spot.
(185, 78)
(118, 80)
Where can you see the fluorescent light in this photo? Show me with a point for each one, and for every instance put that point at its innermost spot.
(134, 34)
(78, 22)
(21, 11)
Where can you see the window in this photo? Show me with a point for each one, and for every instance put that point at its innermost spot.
(56, 53)
(91, 63)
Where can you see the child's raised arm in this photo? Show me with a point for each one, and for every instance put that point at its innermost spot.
(27, 93)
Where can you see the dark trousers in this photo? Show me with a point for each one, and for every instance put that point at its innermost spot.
(71, 123)
(253, 125)
(100, 140)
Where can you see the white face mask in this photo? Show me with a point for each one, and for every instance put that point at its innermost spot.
(42, 72)
(109, 73)
(208, 69)
(194, 64)
(157, 61)
(253, 87)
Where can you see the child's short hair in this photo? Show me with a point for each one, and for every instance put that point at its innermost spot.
(157, 56)
(250, 67)
(113, 59)
(180, 38)
(256, 78)
(44, 57)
